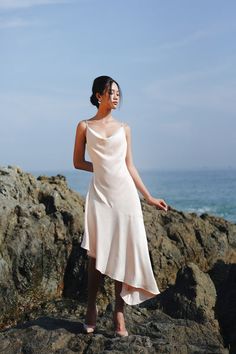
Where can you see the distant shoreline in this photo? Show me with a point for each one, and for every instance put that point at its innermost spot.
(200, 191)
(141, 170)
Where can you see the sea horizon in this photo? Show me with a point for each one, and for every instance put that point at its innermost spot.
(198, 190)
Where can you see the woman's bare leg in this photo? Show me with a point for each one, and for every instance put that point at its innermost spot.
(119, 308)
(94, 278)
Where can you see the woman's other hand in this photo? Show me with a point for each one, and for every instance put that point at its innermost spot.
(159, 203)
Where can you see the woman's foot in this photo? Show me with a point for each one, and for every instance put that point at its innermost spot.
(122, 333)
(88, 328)
(119, 323)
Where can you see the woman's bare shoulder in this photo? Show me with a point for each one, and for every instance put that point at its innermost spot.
(126, 125)
(82, 123)
(122, 122)
(81, 128)
(126, 128)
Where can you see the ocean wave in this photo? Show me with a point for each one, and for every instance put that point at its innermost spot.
(211, 210)
(201, 210)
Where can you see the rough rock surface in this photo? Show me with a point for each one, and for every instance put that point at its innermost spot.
(43, 277)
(40, 224)
(57, 328)
(192, 297)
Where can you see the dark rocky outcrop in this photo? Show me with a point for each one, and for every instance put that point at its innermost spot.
(226, 303)
(192, 297)
(176, 238)
(57, 329)
(43, 277)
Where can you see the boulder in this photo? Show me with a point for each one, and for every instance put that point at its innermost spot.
(43, 276)
(193, 296)
(177, 238)
(41, 221)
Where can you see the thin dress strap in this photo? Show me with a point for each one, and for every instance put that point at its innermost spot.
(86, 129)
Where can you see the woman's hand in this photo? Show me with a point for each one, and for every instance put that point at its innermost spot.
(159, 203)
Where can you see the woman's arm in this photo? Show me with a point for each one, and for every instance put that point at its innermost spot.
(79, 149)
(160, 203)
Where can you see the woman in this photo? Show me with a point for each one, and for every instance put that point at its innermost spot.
(114, 233)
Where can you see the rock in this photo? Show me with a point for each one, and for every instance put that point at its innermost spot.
(43, 276)
(226, 304)
(58, 329)
(177, 238)
(193, 296)
(41, 222)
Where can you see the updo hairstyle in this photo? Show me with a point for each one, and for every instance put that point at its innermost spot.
(100, 85)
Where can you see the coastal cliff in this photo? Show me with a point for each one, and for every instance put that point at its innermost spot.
(43, 277)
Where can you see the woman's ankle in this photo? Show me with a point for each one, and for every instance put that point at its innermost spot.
(91, 314)
(119, 320)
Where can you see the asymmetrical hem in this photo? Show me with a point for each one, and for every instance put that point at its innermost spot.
(114, 231)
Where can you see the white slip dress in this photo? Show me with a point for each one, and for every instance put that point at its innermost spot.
(114, 231)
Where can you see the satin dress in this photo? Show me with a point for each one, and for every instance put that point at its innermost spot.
(114, 231)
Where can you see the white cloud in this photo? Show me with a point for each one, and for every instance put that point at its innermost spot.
(15, 22)
(218, 98)
(205, 90)
(155, 52)
(197, 75)
(17, 4)
(198, 35)
(27, 107)
(185, 41)
(9, 5)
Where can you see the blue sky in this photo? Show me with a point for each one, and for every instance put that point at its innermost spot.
(174, 60)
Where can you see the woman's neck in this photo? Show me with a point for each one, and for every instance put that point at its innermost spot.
(103, 114)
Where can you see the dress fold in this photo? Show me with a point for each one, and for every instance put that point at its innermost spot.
(114, 231)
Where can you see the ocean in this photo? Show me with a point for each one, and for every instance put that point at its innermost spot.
(199, 191)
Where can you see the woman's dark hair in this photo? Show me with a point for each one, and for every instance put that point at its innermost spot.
(100, 85)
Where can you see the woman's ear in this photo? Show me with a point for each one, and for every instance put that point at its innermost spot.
(98, 96)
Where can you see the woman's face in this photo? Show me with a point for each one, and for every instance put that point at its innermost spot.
(111, 97)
